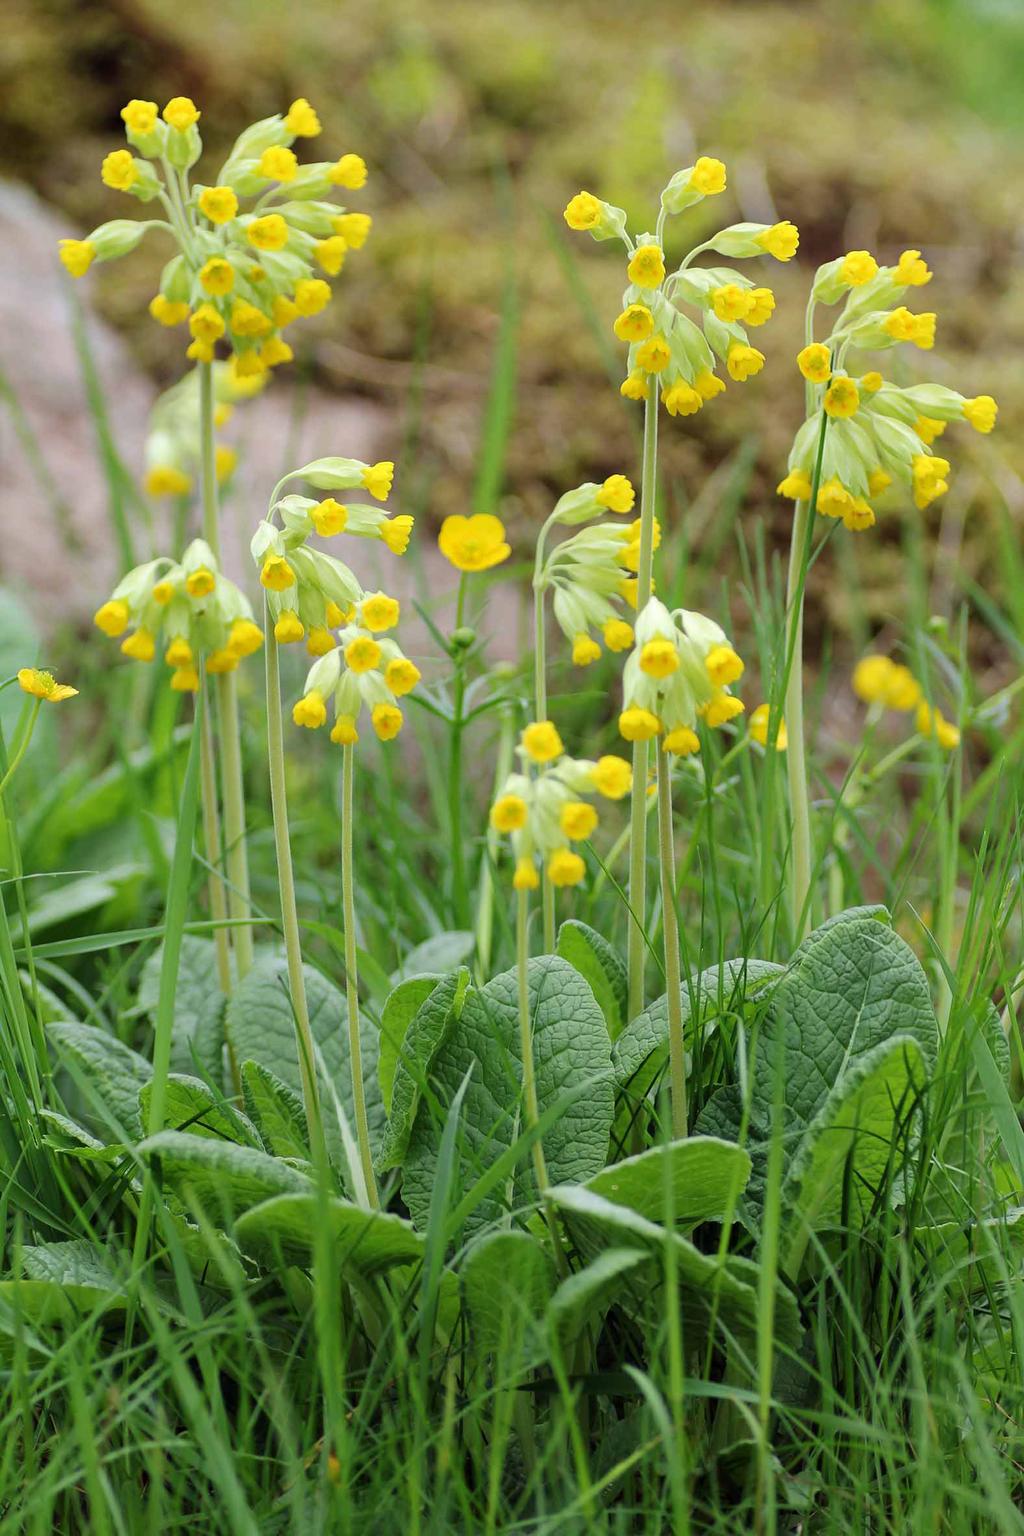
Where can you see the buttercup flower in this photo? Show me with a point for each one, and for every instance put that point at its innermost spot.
(474, 543)
(43, 685)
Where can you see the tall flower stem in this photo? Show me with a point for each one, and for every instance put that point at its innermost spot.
(286, 884)
(540, 712)
(211, 840)
(673, 972)
(796, 756)
(636, 953)
(460, 899)
(236, 855)
(352, 974)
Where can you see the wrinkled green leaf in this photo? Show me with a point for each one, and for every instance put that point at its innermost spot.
(600, 965)
(222, 1177)
(276, 1111)
(288, 1225)
(571, 1049)
(398, 1013)
(585, 1296)
(641, 1051)
(438, 955)
(698, 1180)
(191, 1106)
(852, 1145)
(507, 1280)
(198, 1005)
(105, 1078)
(424, 1037)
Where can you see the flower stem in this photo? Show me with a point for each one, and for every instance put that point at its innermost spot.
(638, 801)
(237, 859)
(211, 839)
(22, 746)
(455, 795)
(673, 974)
(485, 891)
(540, 706)
(796, 759)
(286, 884)
(352, 975)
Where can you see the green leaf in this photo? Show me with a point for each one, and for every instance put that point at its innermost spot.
(571, 1050)
(198, 1006)
(507, 1280)
(438, 955)
(713, 1292)
(641, 1051)
(61, 1283)
(424, 1037)
(190, 1106)
(698, 1180)
(276, 1110)
(288, 1226)
(598, 964)
(850, 987)
(222, 1177)
(851, 1147)
(398, 1013)
(585, 1296)
(105, 1079)
(261, 1026)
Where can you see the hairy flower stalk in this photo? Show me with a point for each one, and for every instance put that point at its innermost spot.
(239, 901)
(673, 971)
(286, 887)
(352, 974)
(636, 954)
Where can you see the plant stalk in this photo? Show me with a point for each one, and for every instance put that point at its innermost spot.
(236, 855)
(286, 885)
(673, 972)
(352, 975)
(540, 1167)
(540, 706)
(455, 791)
(636, 952)
(796, 757)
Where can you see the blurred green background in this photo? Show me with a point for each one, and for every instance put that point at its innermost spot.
(883, 125)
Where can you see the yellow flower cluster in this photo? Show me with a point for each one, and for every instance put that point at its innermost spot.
(879, 681)
(680, 670)
(878, 432)
(592, 573)
(666, 347)
(545, 810)
(189, 608)
(310, 593)
(241, 275)
(364, 666)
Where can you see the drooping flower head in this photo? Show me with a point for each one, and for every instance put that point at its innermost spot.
(545, 807)
(254, 247)
(680, 671)
(364, 667)
(187, 611)
(877, 433)
(665, 343)
(590, 572)
(173, 448)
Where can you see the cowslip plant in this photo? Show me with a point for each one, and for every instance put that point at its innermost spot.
(173, 448)
(309, 593)
(863, 437)
(674, 358)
